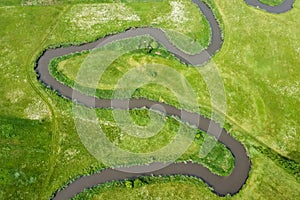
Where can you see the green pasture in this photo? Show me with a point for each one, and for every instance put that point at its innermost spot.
(272, 2)
(41, 150)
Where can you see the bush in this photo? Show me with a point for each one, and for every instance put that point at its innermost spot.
(128, 184)
(137, 183)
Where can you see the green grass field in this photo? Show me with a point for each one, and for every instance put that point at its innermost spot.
(262, 184)
(142, 140)
(268, 86)
(66, 71)
(272, 2)
(41, 151)
(34, 163)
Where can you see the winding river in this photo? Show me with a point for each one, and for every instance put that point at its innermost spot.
(282, 8)
(221, 185)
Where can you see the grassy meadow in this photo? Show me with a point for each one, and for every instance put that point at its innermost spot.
(265, 74)
(272, 2)
(262, 184)
(41, 150)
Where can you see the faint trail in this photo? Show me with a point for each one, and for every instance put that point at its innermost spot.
(40, 93)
